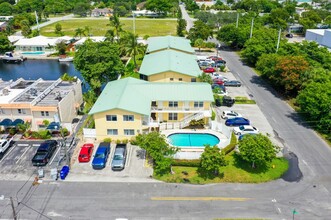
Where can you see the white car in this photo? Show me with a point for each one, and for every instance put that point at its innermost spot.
(230, 114)
(245, 129)
(216, 76)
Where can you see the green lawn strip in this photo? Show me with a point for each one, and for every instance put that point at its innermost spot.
(237, 171)
(98, 27)
(244, 100)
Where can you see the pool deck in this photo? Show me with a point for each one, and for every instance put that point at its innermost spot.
(224, 141)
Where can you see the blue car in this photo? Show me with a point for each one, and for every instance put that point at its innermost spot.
(243, 135)
(101, 156)
(236, 122)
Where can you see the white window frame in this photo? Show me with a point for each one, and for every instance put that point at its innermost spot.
(173, 116)
(198, 104)
(111, 117)
(173, 104)
(128, 132)
(128, 117)
(112, 131)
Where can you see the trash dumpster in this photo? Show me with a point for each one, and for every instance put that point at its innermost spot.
(64, 172)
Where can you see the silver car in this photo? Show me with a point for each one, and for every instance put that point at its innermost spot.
(118, 162)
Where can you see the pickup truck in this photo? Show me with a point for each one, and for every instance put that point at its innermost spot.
(5, 144)
(44, 153)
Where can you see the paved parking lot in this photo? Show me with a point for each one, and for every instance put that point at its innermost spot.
(136, 168)
(16, 162)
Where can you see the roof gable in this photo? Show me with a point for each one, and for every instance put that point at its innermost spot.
(172, 61)
(169, 42)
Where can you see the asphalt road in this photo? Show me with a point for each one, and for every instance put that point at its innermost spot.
(189, 20)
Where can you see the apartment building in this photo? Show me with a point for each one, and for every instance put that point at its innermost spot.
(130, 106)
(37, 100)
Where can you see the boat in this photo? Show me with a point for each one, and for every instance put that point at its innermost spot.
(10, 58)
(66, 59)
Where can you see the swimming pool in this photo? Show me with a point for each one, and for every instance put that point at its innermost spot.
(193, 139)
(33, 53)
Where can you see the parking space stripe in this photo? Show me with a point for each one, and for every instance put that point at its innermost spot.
(200, 199)
(58, 150)
(18, 160)
(9, 151)
(128, 155)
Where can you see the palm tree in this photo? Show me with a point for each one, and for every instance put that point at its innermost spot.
(79, 32)
(87, 31)
(132, 48)
(110, 35)
(114, 22)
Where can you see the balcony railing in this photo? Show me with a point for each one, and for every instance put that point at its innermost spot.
(181, 108)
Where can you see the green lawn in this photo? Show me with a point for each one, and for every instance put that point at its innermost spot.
(151, 27)
(237, 171)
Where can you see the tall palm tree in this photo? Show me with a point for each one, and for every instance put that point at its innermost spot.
(79, 32)
(114, 22)
(132, 48)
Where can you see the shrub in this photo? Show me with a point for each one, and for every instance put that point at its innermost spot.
(125, 141)
(35, 134)
(45, 134)
(232, 144)
(108, 140)
(12, 131)
(133, 141)
(213, 115)
(64, 132)
(118, 141)
(197, 123)
(45, 122)
(186, 163)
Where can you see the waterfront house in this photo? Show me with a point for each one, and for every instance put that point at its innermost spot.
(82, 40)
(106, 12)
(37, 100)
(169, 66)
(39, 44)
(130, 106)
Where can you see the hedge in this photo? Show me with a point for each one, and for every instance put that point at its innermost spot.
(186, 163)
(232, 144)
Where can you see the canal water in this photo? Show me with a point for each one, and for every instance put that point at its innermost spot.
(35, 69)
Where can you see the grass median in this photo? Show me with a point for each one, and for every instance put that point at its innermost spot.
(237, 171)
(98, 27)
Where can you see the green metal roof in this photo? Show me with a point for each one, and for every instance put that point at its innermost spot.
(136, 95)
(170, 60)
(169, 42)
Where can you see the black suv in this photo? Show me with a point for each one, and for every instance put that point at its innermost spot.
(44, 153)
(228, 101)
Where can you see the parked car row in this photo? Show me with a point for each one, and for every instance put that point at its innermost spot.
(101, 155)
(241, 125)
(211, 61)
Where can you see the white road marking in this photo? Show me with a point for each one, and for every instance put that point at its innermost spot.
(58, 150)
(279, 210)
(128, 156)
(274, 200)
(23, 154)
(6, 154)
(305, 162)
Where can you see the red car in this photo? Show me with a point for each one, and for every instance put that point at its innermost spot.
(218, 81)
(85, 153)
(209, 70)
(214, 58)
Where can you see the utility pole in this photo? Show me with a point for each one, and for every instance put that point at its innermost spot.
(13, 208)
(134, 25)
(280, 30)
(251, 34)
(35, 13)
(237, 22)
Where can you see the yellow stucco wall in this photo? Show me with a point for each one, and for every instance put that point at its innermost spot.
(101, 124)
(166, 76)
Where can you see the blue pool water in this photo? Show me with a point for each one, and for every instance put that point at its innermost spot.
(192, 139)
(33, 53)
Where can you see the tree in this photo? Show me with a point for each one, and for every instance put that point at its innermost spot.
(87, 31)
(204, 77)
(5, 44)
(315, 102)
(232, 36)
(79, 32)
(211, 160)
(61, 47)
(58, 29)
(278, 18)
(115, 23)
(257, 150)
(290, 71)
(99, 62)
(6, 9)
(199, 43)
(132, 48)
(181, 27)
(81, 9)
(157, 148)
(159, 6)
(25, 26)
(200, 30)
